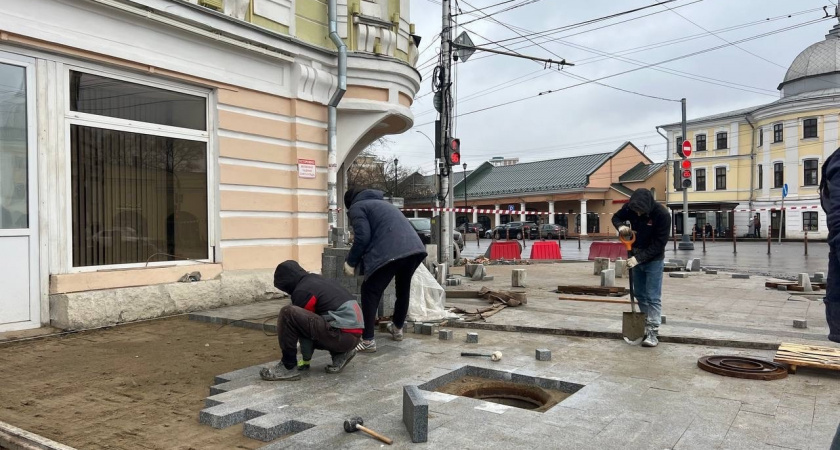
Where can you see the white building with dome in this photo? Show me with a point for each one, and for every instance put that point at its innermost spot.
(742, 159)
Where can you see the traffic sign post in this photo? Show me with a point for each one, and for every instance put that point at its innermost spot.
(685, 151)
(782, 212)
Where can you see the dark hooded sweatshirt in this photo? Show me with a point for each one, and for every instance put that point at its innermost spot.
(320, 296)
(830, 200)
(652, 227)
(381, 233)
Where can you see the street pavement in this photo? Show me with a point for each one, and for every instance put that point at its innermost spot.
(785, 259)
(632, 398)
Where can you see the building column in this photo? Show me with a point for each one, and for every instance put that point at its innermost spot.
(475, 215)
(522, 215)
(416, 214)
(498, 218)
(583, 217)
(551, 212)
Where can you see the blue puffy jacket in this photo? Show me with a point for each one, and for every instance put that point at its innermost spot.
(381, 233)
(830, 199)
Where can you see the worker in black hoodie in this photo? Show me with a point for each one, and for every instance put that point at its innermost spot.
(652, 224)
(323, 315)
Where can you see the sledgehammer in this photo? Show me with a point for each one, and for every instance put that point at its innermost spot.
(495, 356)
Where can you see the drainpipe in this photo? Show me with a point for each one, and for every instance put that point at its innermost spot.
(752, 163)
(332, 118)
(667, 166)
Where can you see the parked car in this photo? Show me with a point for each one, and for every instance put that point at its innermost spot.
(423, 226)
(471, 227)
(552, 231)
(424, 229)
(526, 229)
(498, 232)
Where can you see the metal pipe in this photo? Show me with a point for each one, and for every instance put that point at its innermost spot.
(752, 163)
(332, 118)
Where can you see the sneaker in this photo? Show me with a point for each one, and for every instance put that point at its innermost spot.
(396, 333)
(279, 373)
(366, 346)
(303, 365)
(340, 360)
(651, 340)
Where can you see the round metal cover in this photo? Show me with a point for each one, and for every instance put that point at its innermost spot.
(742, 367)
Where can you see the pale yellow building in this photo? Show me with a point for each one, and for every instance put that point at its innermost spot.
(743, 159)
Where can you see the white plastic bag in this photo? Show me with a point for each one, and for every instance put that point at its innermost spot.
(427, 297)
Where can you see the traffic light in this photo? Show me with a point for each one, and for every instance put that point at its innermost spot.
(453, 157)
(685, 166)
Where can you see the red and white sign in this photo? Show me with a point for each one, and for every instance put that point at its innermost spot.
(306, 168)
(686, 147)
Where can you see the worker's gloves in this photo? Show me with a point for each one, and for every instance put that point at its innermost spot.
(632, 262)
(624, 231)
(349, 270)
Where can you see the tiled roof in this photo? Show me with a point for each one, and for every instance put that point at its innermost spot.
(640, 172)
(622, 188)
(539, 176)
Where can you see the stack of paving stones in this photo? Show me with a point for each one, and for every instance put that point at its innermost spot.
(332, 267)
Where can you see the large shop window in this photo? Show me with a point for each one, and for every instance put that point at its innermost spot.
(137, 196)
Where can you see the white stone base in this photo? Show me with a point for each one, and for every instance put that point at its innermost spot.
(91, 309)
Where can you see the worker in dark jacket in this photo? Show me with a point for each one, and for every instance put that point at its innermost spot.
(830, 199)
(385, 247)
(323, 315)
(652, 224)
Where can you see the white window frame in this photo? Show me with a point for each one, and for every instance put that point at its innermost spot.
(111, 123)
(726, 174)
(802, 172)
(803, 221)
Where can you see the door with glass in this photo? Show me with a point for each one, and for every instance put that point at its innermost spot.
(19, 275)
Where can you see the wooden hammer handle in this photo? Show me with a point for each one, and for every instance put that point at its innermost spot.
(374, 434)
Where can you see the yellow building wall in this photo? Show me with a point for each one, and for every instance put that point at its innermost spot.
(619, 164)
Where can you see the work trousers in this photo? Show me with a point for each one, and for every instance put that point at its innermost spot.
(295, 323)
(647, 287)
(400, 270)
(832, 291)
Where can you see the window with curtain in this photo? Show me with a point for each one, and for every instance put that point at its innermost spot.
(700, 178)
(811, 170)
(137, 196)
(778, 175)
(720, 178)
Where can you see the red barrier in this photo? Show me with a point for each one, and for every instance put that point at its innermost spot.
(606, 249)
(505, 250)
(545, 250)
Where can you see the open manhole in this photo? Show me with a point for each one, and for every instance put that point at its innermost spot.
(505, 388)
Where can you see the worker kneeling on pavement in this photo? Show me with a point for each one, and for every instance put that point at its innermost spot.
(323, 316)
(652, 224)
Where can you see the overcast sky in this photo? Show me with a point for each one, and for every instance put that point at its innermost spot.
(592, 118)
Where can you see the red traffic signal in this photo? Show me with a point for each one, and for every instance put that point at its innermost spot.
(685, 164)
(686, 174)
(454, 157)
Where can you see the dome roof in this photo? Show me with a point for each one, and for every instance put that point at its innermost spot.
(818, 59)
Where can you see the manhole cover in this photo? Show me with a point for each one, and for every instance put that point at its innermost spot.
(742, 367)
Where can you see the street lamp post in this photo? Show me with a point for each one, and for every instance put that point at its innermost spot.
(465, 198)
(396, 178)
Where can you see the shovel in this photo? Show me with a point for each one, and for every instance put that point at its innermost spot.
(632, 323)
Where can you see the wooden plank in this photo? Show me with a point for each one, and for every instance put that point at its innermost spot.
(463, 294)
(595, 300)
(592, 290)
(799, 355)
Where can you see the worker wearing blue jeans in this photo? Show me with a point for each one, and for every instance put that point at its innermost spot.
(651, 224)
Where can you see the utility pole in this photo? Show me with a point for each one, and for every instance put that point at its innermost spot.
(445, 135)
(686, 243)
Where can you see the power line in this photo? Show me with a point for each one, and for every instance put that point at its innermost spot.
(524, 3)
(483, 8)
(811, 22)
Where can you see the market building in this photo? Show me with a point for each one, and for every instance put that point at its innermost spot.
(578, 192)
(143, 142)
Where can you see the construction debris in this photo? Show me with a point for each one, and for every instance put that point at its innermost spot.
(498, 300)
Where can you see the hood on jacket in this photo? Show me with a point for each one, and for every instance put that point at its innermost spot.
(642, 202)
(287, 276)
(356, 194)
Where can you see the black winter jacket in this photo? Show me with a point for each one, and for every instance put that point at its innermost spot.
(652, 227)
(830, 200)
(381, 233)
(320, 296)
